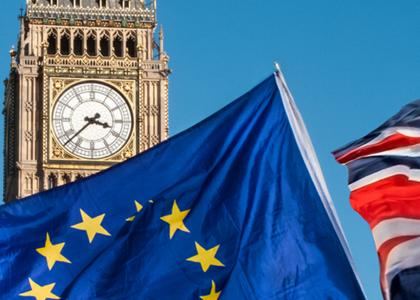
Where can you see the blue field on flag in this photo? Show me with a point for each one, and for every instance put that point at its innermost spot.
(229, 209)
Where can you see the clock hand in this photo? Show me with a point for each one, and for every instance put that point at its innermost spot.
(89, 121)
(104, 125)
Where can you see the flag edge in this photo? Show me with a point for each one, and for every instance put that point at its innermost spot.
(312, 164)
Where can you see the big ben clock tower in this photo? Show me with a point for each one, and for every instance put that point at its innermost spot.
(88, 88)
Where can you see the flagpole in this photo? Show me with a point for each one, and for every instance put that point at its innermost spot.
(311, 160)
(277, 67)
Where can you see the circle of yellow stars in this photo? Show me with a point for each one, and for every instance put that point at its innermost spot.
(205, 257)
(92, 226)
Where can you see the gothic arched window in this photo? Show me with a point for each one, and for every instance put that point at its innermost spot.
(53, 2)
(124, 3)
(26, 50)
(28, 182)
(52, 43)
(52, 181)
(101, 3)
(104, 45)
(75, 3)
(65, 43)
(91, 45)
(78, 43)
(131, 45)
(118, 45)
(66, 178)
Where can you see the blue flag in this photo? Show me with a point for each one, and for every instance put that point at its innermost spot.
(233, 208)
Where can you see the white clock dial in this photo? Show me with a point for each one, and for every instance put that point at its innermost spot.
(92, 120)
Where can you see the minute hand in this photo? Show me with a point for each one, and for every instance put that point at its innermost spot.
(90, 122)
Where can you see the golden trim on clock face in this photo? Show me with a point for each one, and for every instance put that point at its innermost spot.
(92, 120)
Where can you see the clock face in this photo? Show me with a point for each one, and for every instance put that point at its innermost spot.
(92, 120)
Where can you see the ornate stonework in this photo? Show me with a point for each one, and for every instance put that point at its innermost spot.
(66, 43)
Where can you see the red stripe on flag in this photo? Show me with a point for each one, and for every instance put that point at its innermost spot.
(388, 198)
(394, 141)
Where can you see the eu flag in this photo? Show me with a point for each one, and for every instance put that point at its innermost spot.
(233, 208)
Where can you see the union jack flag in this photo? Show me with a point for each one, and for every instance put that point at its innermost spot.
(384, 180)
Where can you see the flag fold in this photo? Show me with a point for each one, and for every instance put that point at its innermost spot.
(225, 210)
(384, 180)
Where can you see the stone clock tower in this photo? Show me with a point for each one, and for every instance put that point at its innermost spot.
(88, 88)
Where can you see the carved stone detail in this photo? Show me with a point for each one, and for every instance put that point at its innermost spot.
(127, 152)
(127, 88)
(60, 85)
(40, 73)
(28, 135)
(58, 152)
(28, 105)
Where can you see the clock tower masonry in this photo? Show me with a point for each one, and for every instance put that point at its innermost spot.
(88, 88)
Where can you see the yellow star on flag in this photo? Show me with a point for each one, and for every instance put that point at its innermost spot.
(176, 220)
(206, 258)
(40, 292)
(92, 226)
(139, 207)
(52, 252)
(213, 294)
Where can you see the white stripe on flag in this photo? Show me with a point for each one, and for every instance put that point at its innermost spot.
(404, 256)
(412, 175)
(394, 228)
(406, 131)
(410, 151)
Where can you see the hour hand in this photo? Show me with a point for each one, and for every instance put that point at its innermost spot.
(104, 125)
(89, 121)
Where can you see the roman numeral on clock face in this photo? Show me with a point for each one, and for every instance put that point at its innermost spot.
(79, 97)
(69, 132)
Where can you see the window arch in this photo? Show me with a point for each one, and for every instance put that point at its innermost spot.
(66, 178)
(76, 3)
(117, 44)
(91, 44)
(26, 50)
(104, 44)
(53, 2)
(52, 181)
(52, 42)
(124, 3)
(78, 43)
(65, 43)
(28, 182)
(131, 45)
(101, 3)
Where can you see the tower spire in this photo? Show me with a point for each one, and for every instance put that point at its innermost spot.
(161, 41)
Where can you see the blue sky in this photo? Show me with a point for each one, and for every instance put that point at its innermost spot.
(349, 64)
